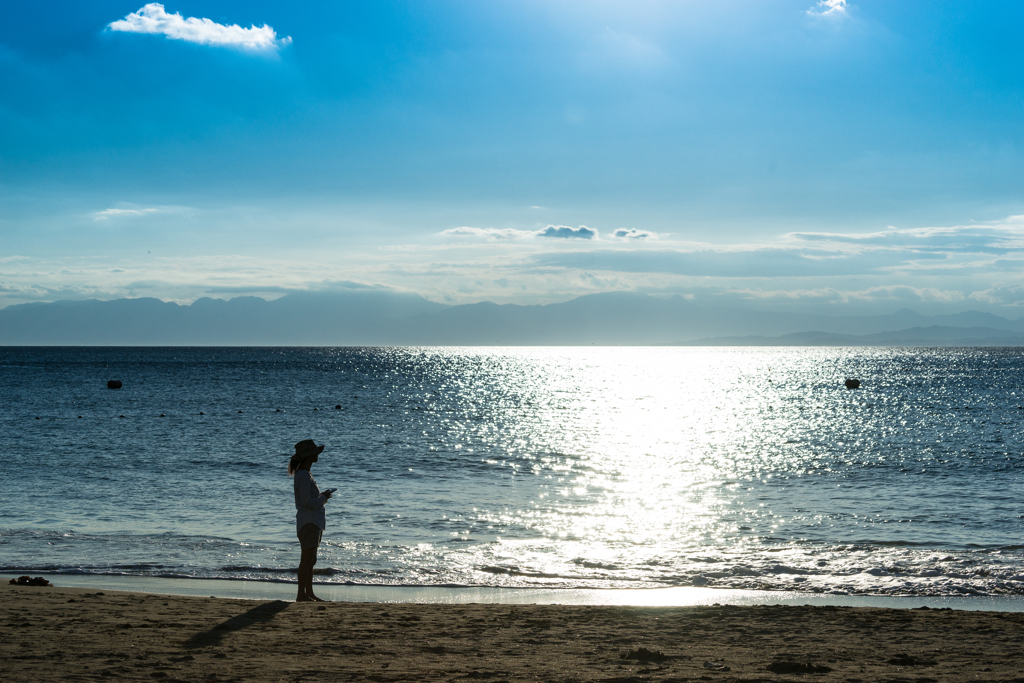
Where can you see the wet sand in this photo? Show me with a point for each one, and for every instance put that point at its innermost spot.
(76, 634)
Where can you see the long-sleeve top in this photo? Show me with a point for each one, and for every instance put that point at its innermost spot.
(309, 502)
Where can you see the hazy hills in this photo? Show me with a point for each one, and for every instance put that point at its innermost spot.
(382, 317)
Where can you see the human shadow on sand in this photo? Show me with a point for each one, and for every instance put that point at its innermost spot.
(257, 615)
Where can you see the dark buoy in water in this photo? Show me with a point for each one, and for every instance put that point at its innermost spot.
(337, 407)
(114, 384)
(278, 410)
(853, 384)
(162, 415)
(316, 409)
(202, 413)
(239, 412)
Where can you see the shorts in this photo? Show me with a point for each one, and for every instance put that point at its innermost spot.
(309, 536)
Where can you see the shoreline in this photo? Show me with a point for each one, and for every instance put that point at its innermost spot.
(683, 596)
(78, 634)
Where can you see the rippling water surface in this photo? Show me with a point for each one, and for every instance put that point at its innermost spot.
(582, 467)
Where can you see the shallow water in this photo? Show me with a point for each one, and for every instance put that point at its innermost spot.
(539, 467)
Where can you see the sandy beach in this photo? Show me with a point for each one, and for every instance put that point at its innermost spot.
(59, 634)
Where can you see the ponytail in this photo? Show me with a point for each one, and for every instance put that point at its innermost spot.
(293, 465)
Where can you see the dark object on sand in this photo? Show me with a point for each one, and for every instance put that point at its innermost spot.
(908, 660)
(114, 384)
(29, 581)
(797, 668)
(852, 384)
(642, 654)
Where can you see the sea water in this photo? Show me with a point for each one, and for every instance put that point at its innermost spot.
(743, 468)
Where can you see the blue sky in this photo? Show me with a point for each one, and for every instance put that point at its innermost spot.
(831, 157)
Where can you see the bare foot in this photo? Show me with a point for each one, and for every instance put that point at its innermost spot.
(303, 598)
(316, 599)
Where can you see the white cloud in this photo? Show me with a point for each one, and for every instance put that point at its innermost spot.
(1004, 295)
(488, 233)
(566, 232)
(562, 231)
(885, 293)
(825, 8)
(634, 234)
(153, 19)
(996, 238)
(113, 213)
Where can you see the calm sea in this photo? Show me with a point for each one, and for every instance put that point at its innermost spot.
(563, 467)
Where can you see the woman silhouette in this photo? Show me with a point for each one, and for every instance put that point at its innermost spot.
(310, 517)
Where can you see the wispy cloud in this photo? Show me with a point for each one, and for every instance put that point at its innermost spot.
(114, 213)
(250, 289)
(494, 234)
(759, 263)
(489, 233)
(1003, 295)
(934, 250)
(828, 7)
(154, 19)
(1003, 238)
(899, 294)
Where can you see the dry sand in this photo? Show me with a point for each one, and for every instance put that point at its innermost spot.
(72, 634)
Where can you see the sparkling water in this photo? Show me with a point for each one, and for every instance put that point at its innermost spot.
(562, 467)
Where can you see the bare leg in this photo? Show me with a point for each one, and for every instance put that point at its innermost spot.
(309, 580)
(306, 563)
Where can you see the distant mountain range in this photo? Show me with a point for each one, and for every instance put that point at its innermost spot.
(367, 317)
